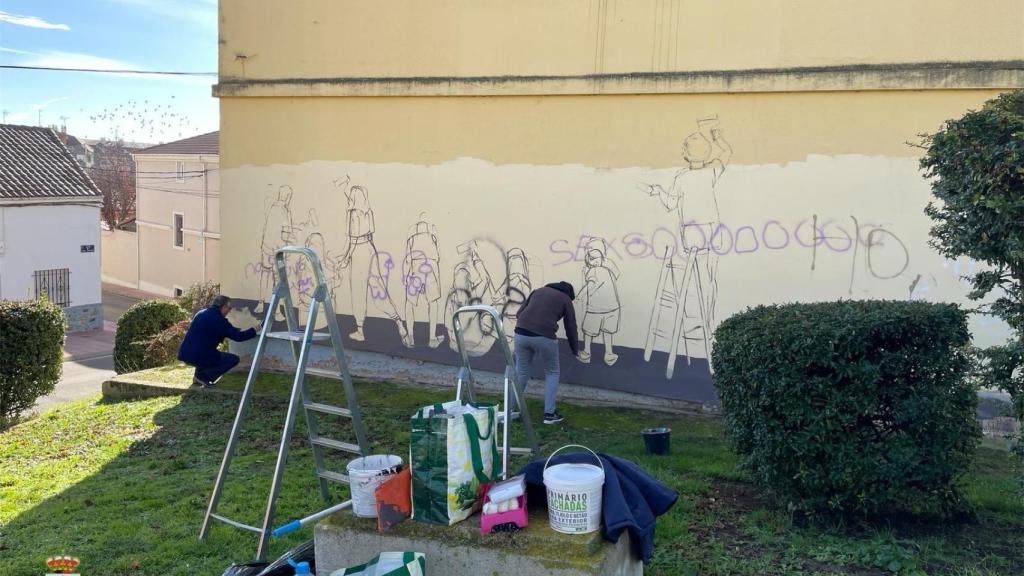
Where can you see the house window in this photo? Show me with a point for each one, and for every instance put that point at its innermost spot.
(178, 292)
(179, 230)
(55, 284)
(181, 171)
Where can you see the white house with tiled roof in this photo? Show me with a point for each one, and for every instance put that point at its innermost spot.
(49, 226)
(177, 211)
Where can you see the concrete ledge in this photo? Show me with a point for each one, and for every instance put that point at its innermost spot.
(1003, 74)
(344, 540)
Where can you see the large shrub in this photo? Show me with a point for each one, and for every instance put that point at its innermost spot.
(198, 296)
(137, 327)
(31, 354)
(853, 406)
(974, 163)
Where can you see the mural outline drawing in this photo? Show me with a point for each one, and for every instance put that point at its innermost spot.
(420, 278)
(368, 280)
(600, 301)
(688, 284)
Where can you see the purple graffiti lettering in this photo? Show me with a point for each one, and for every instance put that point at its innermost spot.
(665, 250)
(717, 234)
(826, 239)
(636, 246)
(737, 239)
(564, 251)
(687, 229)
(764, 235)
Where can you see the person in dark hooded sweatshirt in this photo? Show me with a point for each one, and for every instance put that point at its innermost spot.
(536, 329)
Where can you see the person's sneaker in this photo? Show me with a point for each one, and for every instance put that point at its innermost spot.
(552, 418)
(201, 384)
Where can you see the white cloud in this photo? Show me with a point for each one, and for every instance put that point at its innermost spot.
(58, 59)
(18, 117)
(43, 105)
(31, 21)
(14, 51)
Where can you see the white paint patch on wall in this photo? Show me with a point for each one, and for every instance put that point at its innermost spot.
(827, 228)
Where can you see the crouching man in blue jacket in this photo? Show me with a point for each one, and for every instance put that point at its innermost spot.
(208, 329)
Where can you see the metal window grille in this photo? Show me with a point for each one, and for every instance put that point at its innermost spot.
(55, 284)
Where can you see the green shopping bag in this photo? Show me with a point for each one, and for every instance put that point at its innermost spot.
(389, 564)
(453, 450)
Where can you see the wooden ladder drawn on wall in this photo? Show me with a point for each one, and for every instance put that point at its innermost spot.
(669, 319)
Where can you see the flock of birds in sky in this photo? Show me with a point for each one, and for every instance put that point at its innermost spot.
(142, 120)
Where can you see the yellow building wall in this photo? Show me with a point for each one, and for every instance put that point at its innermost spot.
(777, 196)
(410, 38)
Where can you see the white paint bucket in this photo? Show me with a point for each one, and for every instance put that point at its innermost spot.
(574, 494)
(364, 476)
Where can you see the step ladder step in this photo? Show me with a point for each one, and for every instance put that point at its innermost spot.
(236, 524)
(518, 451)
(336, 444)
(328, 409)
(298, 336)
(333, 476)
(332, 374)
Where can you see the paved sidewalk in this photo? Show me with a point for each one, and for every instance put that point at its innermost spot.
(92, 344)
(132, 292)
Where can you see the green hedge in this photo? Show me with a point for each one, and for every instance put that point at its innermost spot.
(853, 406)
(137, 327)
(31, 354)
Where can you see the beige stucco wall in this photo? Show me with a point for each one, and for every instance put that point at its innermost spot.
(163, 266)
(119, 254)
(351, 38)
(806, 187)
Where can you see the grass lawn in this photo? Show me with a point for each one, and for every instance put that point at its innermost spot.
(123, 486)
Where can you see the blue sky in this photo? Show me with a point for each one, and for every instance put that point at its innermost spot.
(177, 35)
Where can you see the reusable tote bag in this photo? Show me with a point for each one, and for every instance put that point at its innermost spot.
(452, 452)
(389, 564)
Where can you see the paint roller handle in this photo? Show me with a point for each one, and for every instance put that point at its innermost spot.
(289, 527)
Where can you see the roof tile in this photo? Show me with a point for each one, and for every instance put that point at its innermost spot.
(35, 164)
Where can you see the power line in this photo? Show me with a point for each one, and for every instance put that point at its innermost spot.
(156, 72)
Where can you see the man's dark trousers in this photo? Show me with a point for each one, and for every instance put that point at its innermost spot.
(211, 372)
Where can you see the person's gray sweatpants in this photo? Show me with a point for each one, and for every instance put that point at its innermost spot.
(526, 348)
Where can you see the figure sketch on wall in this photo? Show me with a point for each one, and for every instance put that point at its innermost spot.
(279, 230)
(471, 285)
(515, 289)
(420, 278)
(688, 284)
(369, 271)
(600, 301)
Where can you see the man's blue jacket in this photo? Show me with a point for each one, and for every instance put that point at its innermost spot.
(208, 329)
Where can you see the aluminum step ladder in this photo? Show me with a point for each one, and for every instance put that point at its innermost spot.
(467, 383)
(301, 340)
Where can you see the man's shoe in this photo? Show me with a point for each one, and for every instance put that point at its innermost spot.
(201, 383)
(553, 418)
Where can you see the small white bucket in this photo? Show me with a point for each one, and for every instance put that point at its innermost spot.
(364, 476)
(574, 494)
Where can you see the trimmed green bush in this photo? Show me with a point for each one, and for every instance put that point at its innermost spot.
(137, 327)
(31, 354)
(198, 296)
(853, 406)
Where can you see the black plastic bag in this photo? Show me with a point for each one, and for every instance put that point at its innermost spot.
(280, 567)
(251, 569)
(301, 553)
